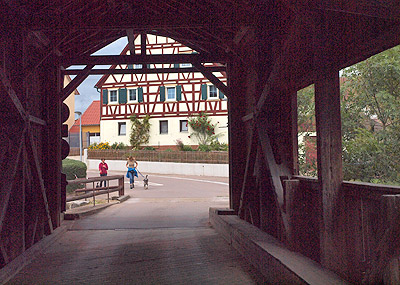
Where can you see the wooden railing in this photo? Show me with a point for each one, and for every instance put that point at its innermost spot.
(369, 226)
(90, 189)
(215, 157)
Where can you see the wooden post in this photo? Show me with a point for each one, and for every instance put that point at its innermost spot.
(237, 133)
(329, 147)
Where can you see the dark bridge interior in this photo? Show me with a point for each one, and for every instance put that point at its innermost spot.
(270, 50)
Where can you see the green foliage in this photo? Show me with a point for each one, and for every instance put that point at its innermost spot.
(306, 109)
(149, 148)
(371, 119)
(203, 129)
(72, 169)
(213, 146)
(140, 131)
(119, 145)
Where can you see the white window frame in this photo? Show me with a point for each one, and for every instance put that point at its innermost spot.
(116, 98)
(209, 92)
(120, 124)
(167, 94)
(129, 95)
(183, 128)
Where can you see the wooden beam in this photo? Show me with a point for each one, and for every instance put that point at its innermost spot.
(67, 90)
(213, 79)
(131, 41)
(144, 71)
(144, 59)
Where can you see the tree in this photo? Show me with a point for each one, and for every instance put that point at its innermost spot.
(140, 131)
(371, 119)
(203, 130)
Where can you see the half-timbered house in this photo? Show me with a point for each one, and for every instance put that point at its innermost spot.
(170, 99)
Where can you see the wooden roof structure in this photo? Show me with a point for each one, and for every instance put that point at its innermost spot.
(270, 49)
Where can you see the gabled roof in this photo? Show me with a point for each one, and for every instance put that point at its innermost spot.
(91, 117)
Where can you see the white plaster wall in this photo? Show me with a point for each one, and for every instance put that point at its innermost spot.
(109, 131)
(146, 167)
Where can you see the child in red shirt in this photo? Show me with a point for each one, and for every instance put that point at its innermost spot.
(103, 167)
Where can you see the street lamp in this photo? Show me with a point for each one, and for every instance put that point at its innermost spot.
(80, 132)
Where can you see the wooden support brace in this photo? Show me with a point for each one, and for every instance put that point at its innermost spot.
(214, 80)
(75, 82)
(12, 94)
(131, 41)
(249, 166)
(37, 168)
(7, 186)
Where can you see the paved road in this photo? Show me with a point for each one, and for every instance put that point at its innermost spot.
(159, 236)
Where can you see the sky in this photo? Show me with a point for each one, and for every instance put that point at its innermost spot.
(87, 91)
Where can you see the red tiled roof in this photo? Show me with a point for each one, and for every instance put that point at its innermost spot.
(90, 117)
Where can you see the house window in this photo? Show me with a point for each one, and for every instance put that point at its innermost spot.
(137, 66)
(122, 129)
(171, 95)
(133, 95)
(183, 125)
(163, 127)
(212, 92)
(185, 65)
(113, 96)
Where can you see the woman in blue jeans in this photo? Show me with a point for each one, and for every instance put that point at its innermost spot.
(131, 164)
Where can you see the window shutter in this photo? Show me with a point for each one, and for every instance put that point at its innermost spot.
(176, 65)
(122, 96)
(140, 94)
(105, 96)
(162, 93)
(221, 95)
(178, 93)
(203, 91)
(130, 66)
(148, 65)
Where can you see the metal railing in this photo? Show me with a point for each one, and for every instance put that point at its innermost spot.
(94, 190)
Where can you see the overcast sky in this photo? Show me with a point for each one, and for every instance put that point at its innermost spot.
(87, 91)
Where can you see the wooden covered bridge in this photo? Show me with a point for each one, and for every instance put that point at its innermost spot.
(271, 49)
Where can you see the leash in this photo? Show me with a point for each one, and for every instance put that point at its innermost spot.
(140, 173)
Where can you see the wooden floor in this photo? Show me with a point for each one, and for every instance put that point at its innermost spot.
(159, 236)
(148, 256)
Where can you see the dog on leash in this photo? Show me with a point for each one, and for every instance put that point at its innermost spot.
(146, 182)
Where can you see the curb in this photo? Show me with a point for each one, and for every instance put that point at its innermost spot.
(77, 213)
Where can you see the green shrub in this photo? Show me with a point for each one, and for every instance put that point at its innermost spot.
(72, 169)
(149, 148)
(119, 145)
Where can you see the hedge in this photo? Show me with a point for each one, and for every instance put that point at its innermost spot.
(73, 168)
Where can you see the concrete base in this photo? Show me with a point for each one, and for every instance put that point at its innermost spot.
(278, 264)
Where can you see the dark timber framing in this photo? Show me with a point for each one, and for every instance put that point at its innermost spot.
(269, 50)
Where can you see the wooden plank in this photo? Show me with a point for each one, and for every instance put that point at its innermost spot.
(67, 90)
(37, 120)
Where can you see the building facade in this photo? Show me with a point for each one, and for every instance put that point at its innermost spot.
(170, 99)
